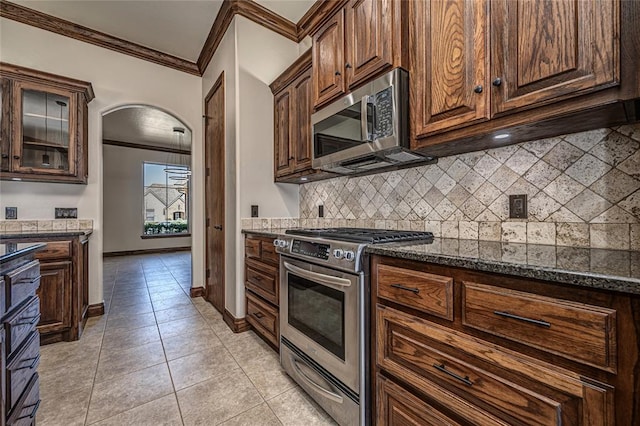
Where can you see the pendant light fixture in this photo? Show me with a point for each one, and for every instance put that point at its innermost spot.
(172, 167)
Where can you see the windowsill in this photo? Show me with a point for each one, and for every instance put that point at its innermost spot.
(176, 235)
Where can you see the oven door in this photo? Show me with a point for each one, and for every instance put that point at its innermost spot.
(320, 315)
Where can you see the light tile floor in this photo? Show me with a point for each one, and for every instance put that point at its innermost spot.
(159, 357)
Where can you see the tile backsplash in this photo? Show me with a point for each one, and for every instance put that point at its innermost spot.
(11, 226)
(583, 190)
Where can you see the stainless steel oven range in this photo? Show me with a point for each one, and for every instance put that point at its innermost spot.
(324, 318)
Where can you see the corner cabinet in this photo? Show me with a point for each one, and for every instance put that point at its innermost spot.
(292, 122)
(362, 40)
(479, 67)
(44, 126)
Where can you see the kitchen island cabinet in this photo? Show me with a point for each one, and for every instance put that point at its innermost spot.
(459, 345)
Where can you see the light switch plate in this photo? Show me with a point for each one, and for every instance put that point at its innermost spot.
(66, 213)
(320, 210)
(10, 213)
(518, 206)
(254, 211)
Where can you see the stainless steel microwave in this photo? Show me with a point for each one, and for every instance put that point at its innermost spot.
(367, 129)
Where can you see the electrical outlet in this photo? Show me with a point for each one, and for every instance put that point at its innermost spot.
(320, 210)
(10, 212)
(254, 211)
(66, 213)
(518, 206)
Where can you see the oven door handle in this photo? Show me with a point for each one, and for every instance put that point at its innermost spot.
(316, 277)
(327, 393)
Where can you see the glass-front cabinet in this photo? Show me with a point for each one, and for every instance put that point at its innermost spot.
(44, 126)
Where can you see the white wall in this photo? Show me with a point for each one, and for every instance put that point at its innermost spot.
(252, 57)
(123, 200)
(117, 80)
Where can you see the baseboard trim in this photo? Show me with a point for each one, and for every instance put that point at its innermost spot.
(146, 251)
(196, 292)
(237, 325)
(95, 310)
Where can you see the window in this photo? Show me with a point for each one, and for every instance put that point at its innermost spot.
(165, 200)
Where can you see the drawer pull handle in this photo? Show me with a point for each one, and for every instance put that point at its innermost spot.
(28, 280)
(258, 315)
(29, 320)
(524, 319)
(33, 363)
(464, 379)
(401, 287)
(33, 412)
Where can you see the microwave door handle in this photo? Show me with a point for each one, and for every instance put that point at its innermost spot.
(316, 277)
(364, 118)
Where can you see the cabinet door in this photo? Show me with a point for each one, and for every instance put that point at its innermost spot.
(548, 50)
(283, 157)
(328, 60)
(55, 297)
(449, 62)
(369, 45)
(5, 123)
(44, 130)
(83, 287)
(302, 127)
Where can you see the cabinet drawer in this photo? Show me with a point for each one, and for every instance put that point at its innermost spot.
(263, 280)
(22, 368)
(24, 413)
(21, 284)
(20, 324)
(398, 406)
(429, 293)
(576, 331)
(55, 250)
(264, 318)
(252, 247)
(513, 387)
(269, 252)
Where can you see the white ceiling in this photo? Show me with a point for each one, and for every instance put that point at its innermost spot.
(177, 27)
(145, 126)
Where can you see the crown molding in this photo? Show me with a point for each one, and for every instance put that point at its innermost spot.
(56, 25)
(317, 14)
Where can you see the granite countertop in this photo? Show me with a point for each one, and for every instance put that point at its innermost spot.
(10, 251)
(4, 235)
(617, 270)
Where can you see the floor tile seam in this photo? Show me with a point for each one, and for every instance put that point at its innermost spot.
(119, 376)
(122, 412)
(254, 385)
(268, 408)
(250, 408)
(237, 367)
(93, 382)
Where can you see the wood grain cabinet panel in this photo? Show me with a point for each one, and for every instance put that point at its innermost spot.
(546, 50)
(449, 65)
(302, 92)
(264, 317)
(429, 293)
(263, 280)
(575, 330)
(55, 294)
(513, 387)
(328, 60)
(252, 247)
(283, 130)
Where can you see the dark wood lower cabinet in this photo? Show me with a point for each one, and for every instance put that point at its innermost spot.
(55, 297)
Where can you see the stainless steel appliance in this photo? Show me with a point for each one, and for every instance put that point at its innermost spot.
(367, 129)
(324, 314)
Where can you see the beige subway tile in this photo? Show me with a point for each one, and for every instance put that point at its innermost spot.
(468, 230)
(45, 225)
(3, 225)
(86, 223)
(609, 235)
(572, 234)
(514, 232)
(433, 226)
(380, 224)
(72, 224)
(541, 233)
(450, 229)
(391, 224)
(245, 223)
(59, 225)
(417, 225)
(634, 237)
(28, 225)
(13, 226)
(490, 231)
(404, 225)
(265, 223)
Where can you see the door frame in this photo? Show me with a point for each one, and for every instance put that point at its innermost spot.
(208, 200)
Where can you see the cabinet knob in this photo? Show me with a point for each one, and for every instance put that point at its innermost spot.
(5, 155)
(347, 65)
(478, 89)
(291, 158)
(16, 157)
(338, 73)
(497, 82)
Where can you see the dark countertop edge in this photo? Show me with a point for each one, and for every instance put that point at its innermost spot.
(593, 280)
(44, 234)
(22, 252)
(271, 232)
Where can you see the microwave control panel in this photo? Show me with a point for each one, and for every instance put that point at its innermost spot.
(384, 113)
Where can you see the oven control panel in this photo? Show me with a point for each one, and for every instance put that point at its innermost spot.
(311, 249)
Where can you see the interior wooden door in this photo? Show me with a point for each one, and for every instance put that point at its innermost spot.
(369, 40)
(328, 60)
(547, 50)
(302, 131)
(282, 128)
(449, 64)
(215, 194)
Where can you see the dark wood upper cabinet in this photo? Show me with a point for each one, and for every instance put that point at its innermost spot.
(44, 126)
(359, 42)
(449, 64)
(328, 60)
(302, 131)
(547, 50)
(282, 122)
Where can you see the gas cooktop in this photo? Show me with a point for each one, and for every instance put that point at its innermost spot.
(362, 235)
